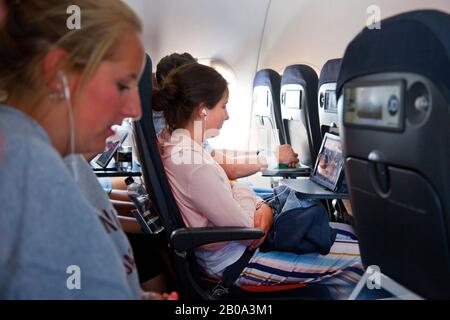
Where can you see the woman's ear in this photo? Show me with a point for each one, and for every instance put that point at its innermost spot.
(52, 64)
(202, 110)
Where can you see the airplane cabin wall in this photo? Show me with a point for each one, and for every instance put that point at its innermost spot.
(312, 32)
(239, 34)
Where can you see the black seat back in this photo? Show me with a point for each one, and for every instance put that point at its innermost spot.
(155, 180)
(158, 187)
(328, 116)
(266, 109)
(394, 102)
(299, 112)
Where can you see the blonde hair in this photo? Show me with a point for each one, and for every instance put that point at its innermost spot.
(34, 27)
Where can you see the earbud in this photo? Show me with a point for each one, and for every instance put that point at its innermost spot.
(65, 83)
(204, 112)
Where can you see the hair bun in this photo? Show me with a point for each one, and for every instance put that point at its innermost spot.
(166, 97)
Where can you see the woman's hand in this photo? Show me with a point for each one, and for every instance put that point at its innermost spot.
(263, 219)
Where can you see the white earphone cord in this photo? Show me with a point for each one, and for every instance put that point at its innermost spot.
(204, 127)
(71, 124)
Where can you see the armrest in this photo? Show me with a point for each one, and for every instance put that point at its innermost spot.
(189, 238)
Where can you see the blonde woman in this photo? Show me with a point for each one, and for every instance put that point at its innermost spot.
(61, 91)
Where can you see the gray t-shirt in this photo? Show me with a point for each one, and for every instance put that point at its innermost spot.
(53, 243)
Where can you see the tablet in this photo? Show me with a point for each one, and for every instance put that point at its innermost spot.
(328, 171)
(111, 149)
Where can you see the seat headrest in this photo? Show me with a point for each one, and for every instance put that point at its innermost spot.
(300, 74)
(269, 78)
(415, 42)
(330, 71)
(145, 88)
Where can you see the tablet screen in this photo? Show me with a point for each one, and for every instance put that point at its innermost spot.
(107, 155)
(330, 162)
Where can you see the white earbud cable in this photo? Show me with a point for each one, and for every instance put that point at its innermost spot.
(71, 124)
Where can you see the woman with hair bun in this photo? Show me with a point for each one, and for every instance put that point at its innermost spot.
(194, 100)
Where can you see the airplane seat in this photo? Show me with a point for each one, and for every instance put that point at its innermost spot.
(328, 120)
(394, 107)
(328, 117)
(193, 284)
(299, 112)
(266, 109)
(153, 174)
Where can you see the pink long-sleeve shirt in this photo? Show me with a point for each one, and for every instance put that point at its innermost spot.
(206, 197)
